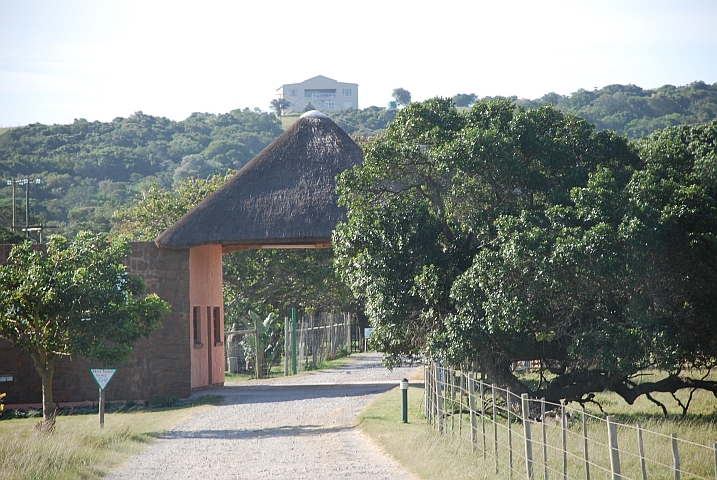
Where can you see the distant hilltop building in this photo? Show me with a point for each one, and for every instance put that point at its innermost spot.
(321, 92)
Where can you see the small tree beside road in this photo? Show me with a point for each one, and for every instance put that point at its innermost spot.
(75, 299)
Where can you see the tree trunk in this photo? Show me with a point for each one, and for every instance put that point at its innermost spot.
(45, 367)
(497, 369)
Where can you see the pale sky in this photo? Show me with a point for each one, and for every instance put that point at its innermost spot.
(101, 59)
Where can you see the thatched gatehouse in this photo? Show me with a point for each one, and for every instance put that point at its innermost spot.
(284, 198)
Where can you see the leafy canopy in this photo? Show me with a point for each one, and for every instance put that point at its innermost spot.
(504, 234)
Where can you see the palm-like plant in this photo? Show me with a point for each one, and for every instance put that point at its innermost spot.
(268, 344)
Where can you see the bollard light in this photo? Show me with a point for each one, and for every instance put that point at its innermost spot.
(404, 394)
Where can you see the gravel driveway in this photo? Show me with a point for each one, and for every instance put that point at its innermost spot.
(288, 427)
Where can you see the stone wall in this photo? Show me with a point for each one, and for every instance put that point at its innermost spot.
(159, 365)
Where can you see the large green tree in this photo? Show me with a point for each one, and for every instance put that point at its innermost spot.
(74, 299)
(504, 234)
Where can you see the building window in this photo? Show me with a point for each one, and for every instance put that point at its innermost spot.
(320, 93)
(218, 337)
(293, 92)
(6, 377)
(197, 327)
(329, 104)
(347, 92)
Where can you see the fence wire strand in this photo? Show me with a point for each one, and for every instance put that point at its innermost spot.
(449, 393)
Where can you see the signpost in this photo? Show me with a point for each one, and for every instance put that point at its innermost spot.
(367, 332)
(102, 376)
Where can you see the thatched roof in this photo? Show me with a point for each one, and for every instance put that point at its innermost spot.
(284, 197)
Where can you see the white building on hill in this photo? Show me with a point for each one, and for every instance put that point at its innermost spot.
(322, 92)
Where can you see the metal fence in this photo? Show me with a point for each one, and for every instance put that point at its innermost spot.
(526, 437)
(319, 337)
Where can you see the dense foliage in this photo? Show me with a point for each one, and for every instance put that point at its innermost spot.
(7, 236)
(634, 111)
(89, 169)
(502, 234)
(368, 122)
(157, 208)
(74, 299)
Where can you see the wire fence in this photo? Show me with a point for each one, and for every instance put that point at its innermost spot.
(526, 437)
(319, 337)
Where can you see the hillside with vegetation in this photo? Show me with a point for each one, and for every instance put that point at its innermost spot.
(89, 170)
(635, 112)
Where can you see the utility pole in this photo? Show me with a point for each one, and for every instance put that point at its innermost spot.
(27, 207)
(26, 182)
(11, 183)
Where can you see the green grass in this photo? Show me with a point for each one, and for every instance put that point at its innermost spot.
(428, 454)
(289, 119)
(79, 449)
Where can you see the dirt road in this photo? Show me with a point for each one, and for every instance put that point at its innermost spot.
(295, 427)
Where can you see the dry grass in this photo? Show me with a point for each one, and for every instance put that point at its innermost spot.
(79, 449)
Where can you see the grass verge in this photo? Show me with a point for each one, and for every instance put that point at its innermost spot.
(416, 445)
(79, 449)
(429, 455)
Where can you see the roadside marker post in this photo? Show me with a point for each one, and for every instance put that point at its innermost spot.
(102, 377)
(404, 395)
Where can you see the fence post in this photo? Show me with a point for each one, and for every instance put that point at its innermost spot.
(510, 434)
(472, 406)
(426, 396)
(614, 449)
(257, 353)
(545, 438)
(294, 364)
(641, 450)
(439, 406)
(564, 425)
(461, 389)
(715, 461)
(527, 436)
(495, 428)
(452, 402)
(287, 339)
(482, 414)
(675, 456)
(585, 445)
(347, 326)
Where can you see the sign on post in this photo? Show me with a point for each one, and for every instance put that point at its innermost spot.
(367, 332)
(102, 376)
